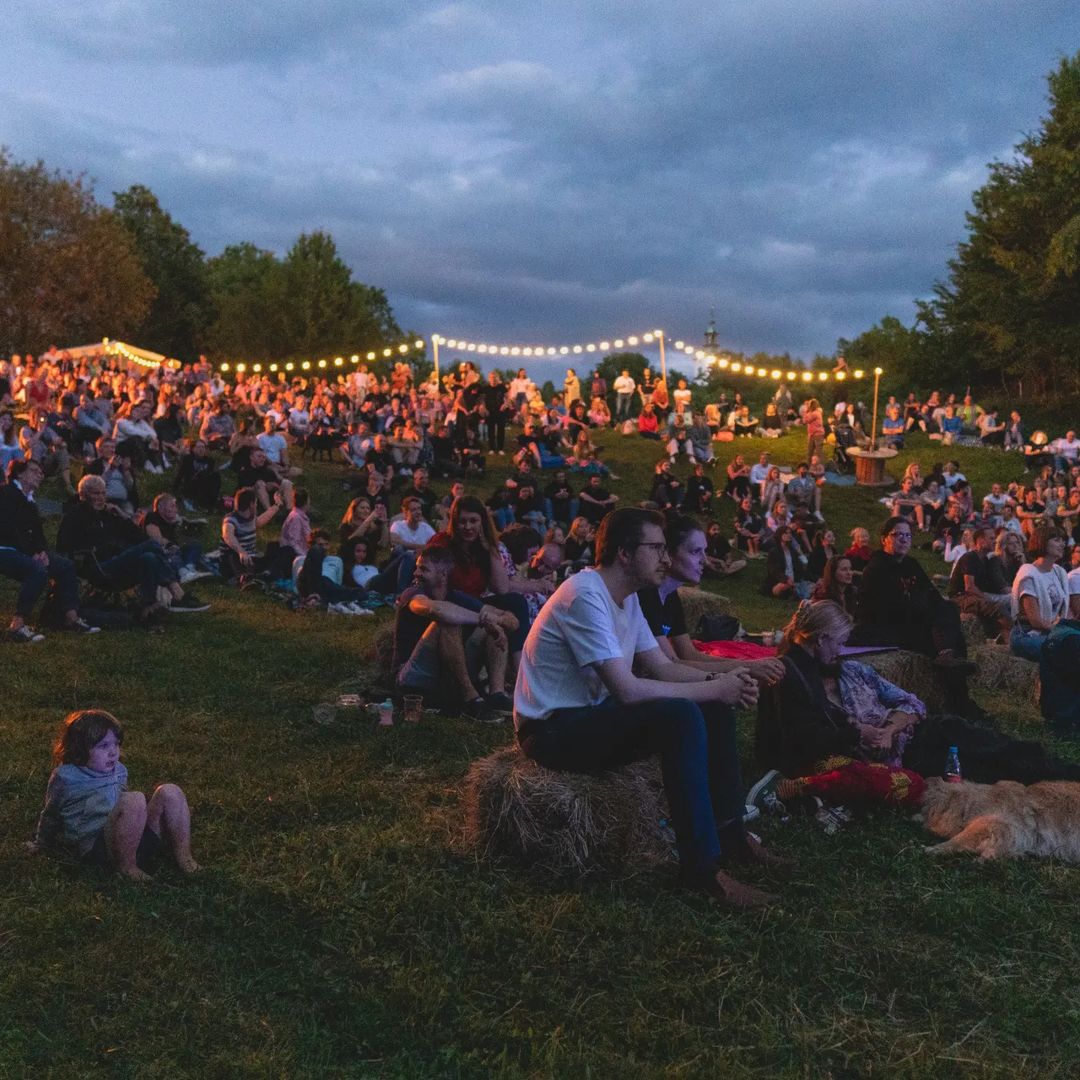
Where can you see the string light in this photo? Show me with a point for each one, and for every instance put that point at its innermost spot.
(462, 345)
(402, 348)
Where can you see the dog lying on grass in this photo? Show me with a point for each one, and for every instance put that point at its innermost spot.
(1006, 818)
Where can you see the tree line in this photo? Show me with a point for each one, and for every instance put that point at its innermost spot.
(1007, 316)
(73, 271)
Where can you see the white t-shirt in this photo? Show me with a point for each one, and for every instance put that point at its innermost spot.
(1073, 578)
(1067, 448)
(1051, 591)
(625, 384)
(274, 445)
(362, 574)
(579, 626)
(401, 532)
(682, 399)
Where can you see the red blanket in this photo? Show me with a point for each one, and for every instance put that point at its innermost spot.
(735, 650)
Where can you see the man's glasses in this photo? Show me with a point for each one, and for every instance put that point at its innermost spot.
(658, 547)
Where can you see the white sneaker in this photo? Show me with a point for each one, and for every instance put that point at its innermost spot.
(337, 609)
(190, 573)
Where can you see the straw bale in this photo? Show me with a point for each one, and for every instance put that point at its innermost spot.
(912, 672)
(974, 631)
(1000, 669)
(567, 823)
(698, 602)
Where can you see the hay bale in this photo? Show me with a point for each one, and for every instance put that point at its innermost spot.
(912, 672)
(974, 631)
(698, 602)
(567, 823)
(1000, 669)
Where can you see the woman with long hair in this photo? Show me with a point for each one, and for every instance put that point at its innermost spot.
(814, 419)
(838, 584)
(835, 730)
(479, 570)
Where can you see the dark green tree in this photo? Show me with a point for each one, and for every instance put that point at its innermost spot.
(175, 265)
(1011, 305)
(892, 346)
(325, 311)
(247, 296)
(69, 274)
(613, 365)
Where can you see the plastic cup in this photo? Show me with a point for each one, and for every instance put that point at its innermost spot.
(386, 714)
(414, 707)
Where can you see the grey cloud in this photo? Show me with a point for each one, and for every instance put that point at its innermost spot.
(503, 171)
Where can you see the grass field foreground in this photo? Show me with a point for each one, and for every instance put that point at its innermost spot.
(339, 930)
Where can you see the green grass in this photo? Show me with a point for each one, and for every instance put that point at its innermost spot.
(339, 930)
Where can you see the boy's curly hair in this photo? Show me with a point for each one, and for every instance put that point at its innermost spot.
(82, 731)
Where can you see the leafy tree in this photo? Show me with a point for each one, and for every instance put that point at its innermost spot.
(247, 296)
(1011, 305)
(325, 311)
(613, 365)
(69, 273)
(177, 268)
(890, 345)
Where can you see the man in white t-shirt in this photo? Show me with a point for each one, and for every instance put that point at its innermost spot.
(274, 444)
(624, 387)
(1066, 451)
(580, 707)
(1073, 578)
(759, 471)
(410, 532)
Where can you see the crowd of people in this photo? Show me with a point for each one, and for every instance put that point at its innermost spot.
(498, 598)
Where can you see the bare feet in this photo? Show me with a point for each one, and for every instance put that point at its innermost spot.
(188, 865)
(757, 852)
(734, 893)
(136, 874)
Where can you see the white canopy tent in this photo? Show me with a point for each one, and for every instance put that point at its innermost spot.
(132, 354)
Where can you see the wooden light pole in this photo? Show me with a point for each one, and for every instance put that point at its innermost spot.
(873, 423)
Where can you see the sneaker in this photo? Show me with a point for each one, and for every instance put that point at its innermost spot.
(478, 710)
(819, 516)
(188, 505)
(338, 609)
(188, 602)
(25, 635)
(189, 573)
(829, 823)
(764, 788)
(501, 702)
(81, 626)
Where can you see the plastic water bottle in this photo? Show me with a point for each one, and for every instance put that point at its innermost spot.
(952, 767)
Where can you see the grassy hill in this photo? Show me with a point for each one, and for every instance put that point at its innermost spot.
(339, 931)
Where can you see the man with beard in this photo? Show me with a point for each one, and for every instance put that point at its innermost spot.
(579, 706)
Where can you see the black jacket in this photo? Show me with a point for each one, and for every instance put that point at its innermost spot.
(896, 592)
(103, 533)
(20, 522)
(797, 725)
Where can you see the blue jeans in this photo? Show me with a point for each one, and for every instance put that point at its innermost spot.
(1025, 644)
(34, 577)
(144, 565)
(571, 511)
(698, 754)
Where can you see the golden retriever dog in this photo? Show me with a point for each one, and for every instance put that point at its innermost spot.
(1006, 818)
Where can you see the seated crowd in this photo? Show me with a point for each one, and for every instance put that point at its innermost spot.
(498, 600)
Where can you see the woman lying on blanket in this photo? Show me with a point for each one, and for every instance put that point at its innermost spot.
(837, 730)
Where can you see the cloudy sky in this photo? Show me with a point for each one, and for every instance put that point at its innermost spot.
(556, 172)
